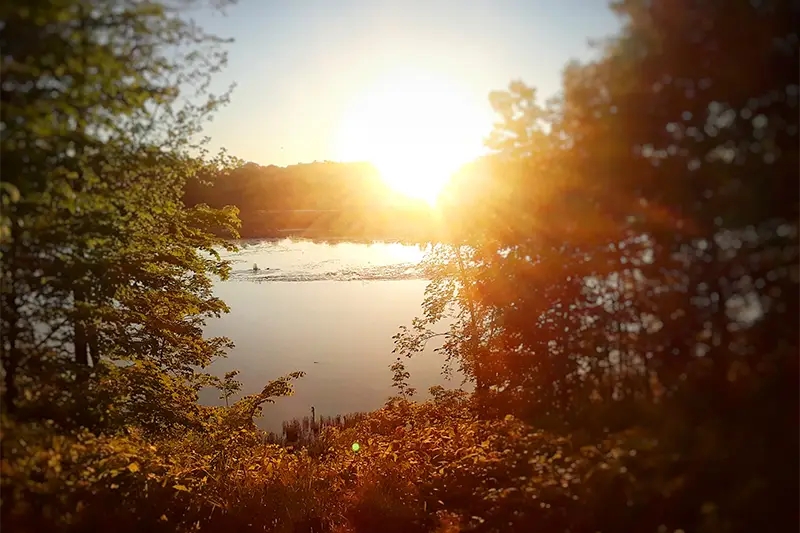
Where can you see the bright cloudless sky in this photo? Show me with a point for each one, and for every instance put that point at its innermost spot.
(299, 64)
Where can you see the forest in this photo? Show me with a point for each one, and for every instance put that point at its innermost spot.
(618, 280)
(316, 200)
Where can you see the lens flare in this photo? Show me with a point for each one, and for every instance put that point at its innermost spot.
(416, 128)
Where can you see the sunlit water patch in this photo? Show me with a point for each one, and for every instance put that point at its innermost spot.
(300, 261)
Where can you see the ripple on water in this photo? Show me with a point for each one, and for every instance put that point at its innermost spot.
(368, 273)
(298, 261)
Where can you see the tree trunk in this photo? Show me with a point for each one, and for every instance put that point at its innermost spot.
(94, 348)
(9, 347)
(11, 392)
(80, 340)
(480, 382)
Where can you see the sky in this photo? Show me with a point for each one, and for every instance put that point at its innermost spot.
(310, 71)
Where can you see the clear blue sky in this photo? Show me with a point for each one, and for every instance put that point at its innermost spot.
(298, 63)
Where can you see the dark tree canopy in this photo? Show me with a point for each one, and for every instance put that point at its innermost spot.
(636, 266)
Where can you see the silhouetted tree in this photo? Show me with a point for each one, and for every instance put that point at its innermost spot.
(631, 254)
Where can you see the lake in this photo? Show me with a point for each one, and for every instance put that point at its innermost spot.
(329, 309)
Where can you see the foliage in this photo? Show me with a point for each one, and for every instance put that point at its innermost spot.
(228, 385)
(400, 378)
(418, 466)
(102, 263)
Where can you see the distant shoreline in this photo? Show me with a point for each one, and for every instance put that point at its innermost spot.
(322, 239)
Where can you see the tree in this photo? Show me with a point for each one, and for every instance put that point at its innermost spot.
(646, 277)
(510, 275)
(102, 264)
(229, 385)
(692, 136)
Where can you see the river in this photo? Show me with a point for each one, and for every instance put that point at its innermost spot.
(329, 309)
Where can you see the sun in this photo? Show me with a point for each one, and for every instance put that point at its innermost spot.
(416, 128)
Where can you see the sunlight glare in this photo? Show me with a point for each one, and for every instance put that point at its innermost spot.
(416, 129)
(403, 252)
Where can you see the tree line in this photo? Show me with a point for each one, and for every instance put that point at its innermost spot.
(323, 199)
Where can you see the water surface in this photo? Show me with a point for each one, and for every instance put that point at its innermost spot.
(329, 310)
